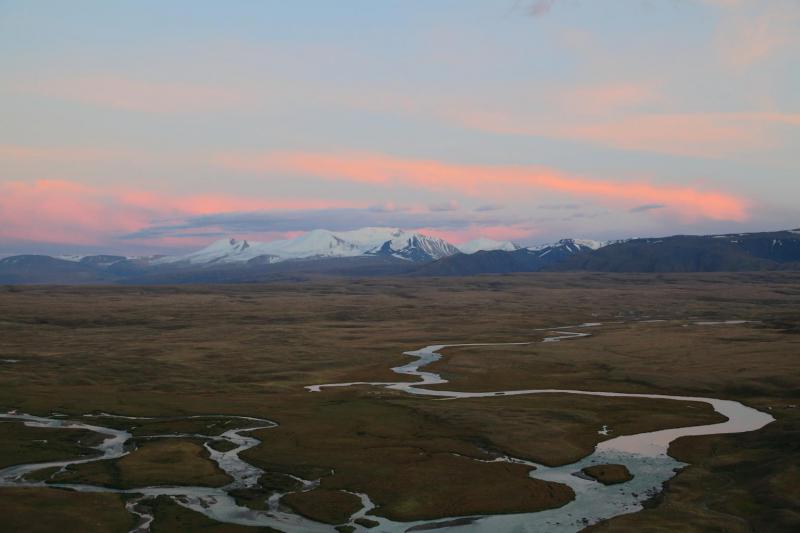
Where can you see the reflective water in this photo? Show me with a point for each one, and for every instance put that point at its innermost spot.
(643, 454)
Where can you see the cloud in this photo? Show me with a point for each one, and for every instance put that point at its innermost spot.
(752, 32)
(59, 154)
(71, 213)
(452, 205)
(539, 8)
(138, 95)
(60, 211)
(748, 31)
(282, 221)
(608, 97)
(708, 135)
(498, 232)
(559, 206)
(498, 183)
(584, 216)
(647, 207)
(388, 207)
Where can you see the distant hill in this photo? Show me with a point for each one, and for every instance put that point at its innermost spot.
(684, 253)
(254, 272)
(409, 254)
(779, 250)
(502, 261)
(43, 269)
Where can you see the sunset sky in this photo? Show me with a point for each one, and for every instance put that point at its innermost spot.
(153, 127)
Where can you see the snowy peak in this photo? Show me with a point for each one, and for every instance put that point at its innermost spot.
(223, 250)
(415, 247)
(571, 245)
(487, 245)
(321, 243)
(314, 244)
(373, 236)
(432, 246)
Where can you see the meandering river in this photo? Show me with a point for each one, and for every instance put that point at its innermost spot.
(644, 454)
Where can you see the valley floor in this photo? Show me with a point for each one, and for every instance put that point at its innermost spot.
(251, 349)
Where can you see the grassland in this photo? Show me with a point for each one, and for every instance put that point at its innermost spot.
(20, 444)
(169, 517)
(159, 462)
(328, 506)
(46, 511)
(608, 474)
(250, 350)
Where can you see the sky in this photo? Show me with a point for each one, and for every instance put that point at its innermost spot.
(154, 127)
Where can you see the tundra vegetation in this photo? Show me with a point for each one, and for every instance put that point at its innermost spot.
(168, 352)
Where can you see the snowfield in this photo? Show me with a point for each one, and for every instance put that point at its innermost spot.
(321, 243)
(572, 245)
(371, 241)
(479, 245)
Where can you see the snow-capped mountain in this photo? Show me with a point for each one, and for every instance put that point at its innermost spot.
(571, 245)
(489, 257)
(221, 251)
(415, 247)
(375, 252)
(318, 244)
(486, 245)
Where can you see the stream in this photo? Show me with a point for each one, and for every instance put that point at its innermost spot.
(644, 454)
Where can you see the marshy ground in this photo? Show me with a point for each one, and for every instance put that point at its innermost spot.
(250, 350)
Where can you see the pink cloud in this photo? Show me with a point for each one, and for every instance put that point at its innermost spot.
(748, 32)
(497, 232)
(677, 134)
(701, 135)
(608, 97)
(60, 154)
(489, 182)
(143, 96)
(213, 203)
(752, 32)
(59, 211)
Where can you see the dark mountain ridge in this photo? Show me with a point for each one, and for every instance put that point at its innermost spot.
(502, 262)
(778, 250)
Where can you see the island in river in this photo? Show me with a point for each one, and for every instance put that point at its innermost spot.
(169, 354)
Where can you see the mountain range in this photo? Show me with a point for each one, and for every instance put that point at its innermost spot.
(319, 244)
(396, 252)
